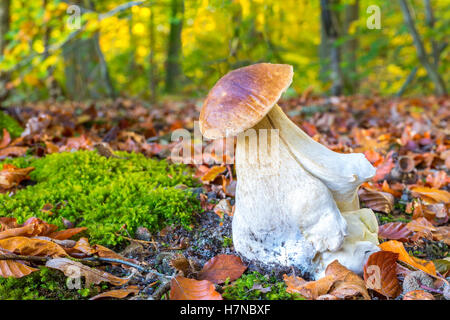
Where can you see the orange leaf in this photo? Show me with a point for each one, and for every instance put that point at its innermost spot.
(119, 294)
(66, 234)
(14, 268)
(11, 176)
(212, 173)
(182, 288)
(380, 273)
(81, 248)
(397, 247)
(431, 195)
(221, 267)
(418, 295)
(6, 139)
(13, 151)
(347, 283)
(308, 289)
(32, 247)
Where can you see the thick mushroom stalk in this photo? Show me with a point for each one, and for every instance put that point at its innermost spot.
(342, 173)
(291, 190)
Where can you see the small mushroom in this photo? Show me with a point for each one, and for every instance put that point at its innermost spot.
(290, 190)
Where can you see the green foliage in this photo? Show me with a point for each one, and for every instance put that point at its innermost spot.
(10, 124)
(45, 284)
(242, 289)
(104, 194)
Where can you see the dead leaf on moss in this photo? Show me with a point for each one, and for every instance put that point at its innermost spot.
(66, 234)
(119, 293)
(221, 267)
(14, 268)
(11, 176)
(397, 247)
(380, 273)
(32, 247)
(76, 269)
(212, 173)
(431, 195)
(182, 288)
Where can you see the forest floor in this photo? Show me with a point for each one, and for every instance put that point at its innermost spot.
(192, 255)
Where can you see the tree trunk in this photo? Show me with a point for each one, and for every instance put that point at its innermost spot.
(331, 31)
(4, 29)
(86, 72)
(173, 63)
(153, 80)
(430, 67)
(350, 47)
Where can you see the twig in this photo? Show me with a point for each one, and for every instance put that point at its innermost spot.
(124, 262)
(24, 258)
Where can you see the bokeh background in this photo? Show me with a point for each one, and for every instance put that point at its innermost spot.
(153, 49)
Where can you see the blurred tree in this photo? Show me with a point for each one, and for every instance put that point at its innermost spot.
(331, 25)
(173, 63)
(424, 58)
(4, 29)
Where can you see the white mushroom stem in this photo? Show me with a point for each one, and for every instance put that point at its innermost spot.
(342, 173)
(288, 201)
(283, 213)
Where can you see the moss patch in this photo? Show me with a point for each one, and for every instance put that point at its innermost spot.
(45, 284)
(248, 287)
(10, 124)
(104, 194)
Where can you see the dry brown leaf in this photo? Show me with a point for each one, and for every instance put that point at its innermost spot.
(347, 283)
(32, 247)
(308, 289)
(76, 269)
(397, 247)
(394, 231)
(418, 295)
(13, 151)
(6, 139)
(119, 294)
(14, 268)
(442, 234)
(212, 173)
(66, 234)
(182, 288)
(11, 176)
(223, 207)
(221, 267)
(380, 273)
(431, 195)
(81, 248)
(377, 200)
(8, 223)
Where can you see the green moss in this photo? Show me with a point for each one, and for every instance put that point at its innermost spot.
(104, 194)
(242, 289)
(45, 284)
(10, 124)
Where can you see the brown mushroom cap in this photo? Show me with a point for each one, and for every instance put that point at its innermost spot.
(242, 98)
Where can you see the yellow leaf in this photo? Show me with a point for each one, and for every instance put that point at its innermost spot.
(397, 247)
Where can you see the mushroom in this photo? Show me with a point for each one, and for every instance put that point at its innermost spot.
(291, 190)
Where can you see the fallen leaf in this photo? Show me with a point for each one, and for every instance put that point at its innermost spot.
(421, 226)
(385, 168)
(11, 176)
(14, 268)
(212, 173)
(418, 295)
(6, 139)
(394, 231)
(442, 234)
(119, 294)
(377, 200)
(76, 269)
(182, 288)
(32, 247)
(66, 234)
(223, 207)
(397, 247)
(347, 283)
(380, 273)
(13, 151)
(431, 195)
(81, 248)
(221, 267)
(308, 289)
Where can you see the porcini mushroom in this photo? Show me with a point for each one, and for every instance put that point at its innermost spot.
(289, 199)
